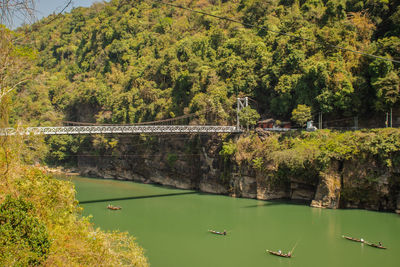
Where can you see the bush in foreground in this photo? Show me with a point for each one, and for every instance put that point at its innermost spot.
(41, 222)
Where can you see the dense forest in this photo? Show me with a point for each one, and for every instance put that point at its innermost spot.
(135, 61)
(124, 62)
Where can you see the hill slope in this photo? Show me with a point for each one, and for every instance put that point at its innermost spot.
(133, 61)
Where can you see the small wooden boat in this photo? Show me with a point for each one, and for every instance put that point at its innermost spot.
(353, 239)
(375, 245)
(217, 233)
(110, 207)
(280, 254)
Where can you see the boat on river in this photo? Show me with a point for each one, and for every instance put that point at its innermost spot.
(110, 207)
(280, 254)
(365, 242)
(375, 245)
(217, 233)
(353, 239)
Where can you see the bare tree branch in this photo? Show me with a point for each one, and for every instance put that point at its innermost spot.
(11, 9)
(14, 62)
(23, 10)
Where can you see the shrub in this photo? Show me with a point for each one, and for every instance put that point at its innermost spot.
(23, 238)
(171, 159)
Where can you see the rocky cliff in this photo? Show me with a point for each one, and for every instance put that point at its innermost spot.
(195, 163)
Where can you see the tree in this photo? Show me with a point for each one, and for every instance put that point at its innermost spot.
(387, 91)
(301, 114)
(23, 238)
(14, 61)
(248, 116)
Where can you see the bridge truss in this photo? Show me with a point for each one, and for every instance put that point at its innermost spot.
(119, 129)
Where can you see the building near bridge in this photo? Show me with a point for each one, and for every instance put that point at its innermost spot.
(267, 123)
(273, 125)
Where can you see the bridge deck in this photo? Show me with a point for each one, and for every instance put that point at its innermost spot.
(132, 129)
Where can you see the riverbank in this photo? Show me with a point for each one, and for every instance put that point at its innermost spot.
(60, 170)
(359, 169)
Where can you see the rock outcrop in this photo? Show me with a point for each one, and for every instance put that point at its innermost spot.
(328, 190)
(195, 163)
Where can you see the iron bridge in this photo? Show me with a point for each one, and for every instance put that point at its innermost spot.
(118, 129)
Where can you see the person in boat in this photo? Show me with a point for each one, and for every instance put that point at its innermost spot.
(279, 252)
(362, 240)
(224, 233)
(289, 254)
(380, 244)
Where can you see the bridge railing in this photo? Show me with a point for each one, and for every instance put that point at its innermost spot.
(131, 129)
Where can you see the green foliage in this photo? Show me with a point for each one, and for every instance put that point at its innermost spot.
(387, 90)
(305, 154)
(248, 116)
(42, 208)
(132, 61)
(63, 149)
(171, 159)
(228, 149)
(16, 60)
(380, 68)
(258, 163)
(121, 62)
(301, 115)
(23, 237)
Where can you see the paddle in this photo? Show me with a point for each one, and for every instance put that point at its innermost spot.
(291, 252)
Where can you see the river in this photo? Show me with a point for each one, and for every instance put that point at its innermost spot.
(172, 226)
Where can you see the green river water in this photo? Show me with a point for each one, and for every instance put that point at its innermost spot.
(171, 225)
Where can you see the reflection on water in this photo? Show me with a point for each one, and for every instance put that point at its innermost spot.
(172, 225)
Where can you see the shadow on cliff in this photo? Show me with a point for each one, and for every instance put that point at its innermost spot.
(136, 197)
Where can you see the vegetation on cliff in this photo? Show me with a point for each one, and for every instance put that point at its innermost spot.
(299, 148)
(366, 162)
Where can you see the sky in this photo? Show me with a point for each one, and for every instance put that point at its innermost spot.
(47, 7)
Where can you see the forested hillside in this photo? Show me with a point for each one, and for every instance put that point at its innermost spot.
(135, 61)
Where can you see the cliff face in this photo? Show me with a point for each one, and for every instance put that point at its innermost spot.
(194, 163)
(329, 188)
(369, 184)
(179, 161)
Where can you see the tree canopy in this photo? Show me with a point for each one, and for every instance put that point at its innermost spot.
(248, 116)
(135, 61)
(21, 234)
(301, 115)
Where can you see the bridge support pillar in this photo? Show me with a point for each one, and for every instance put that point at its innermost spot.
(241, 104)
